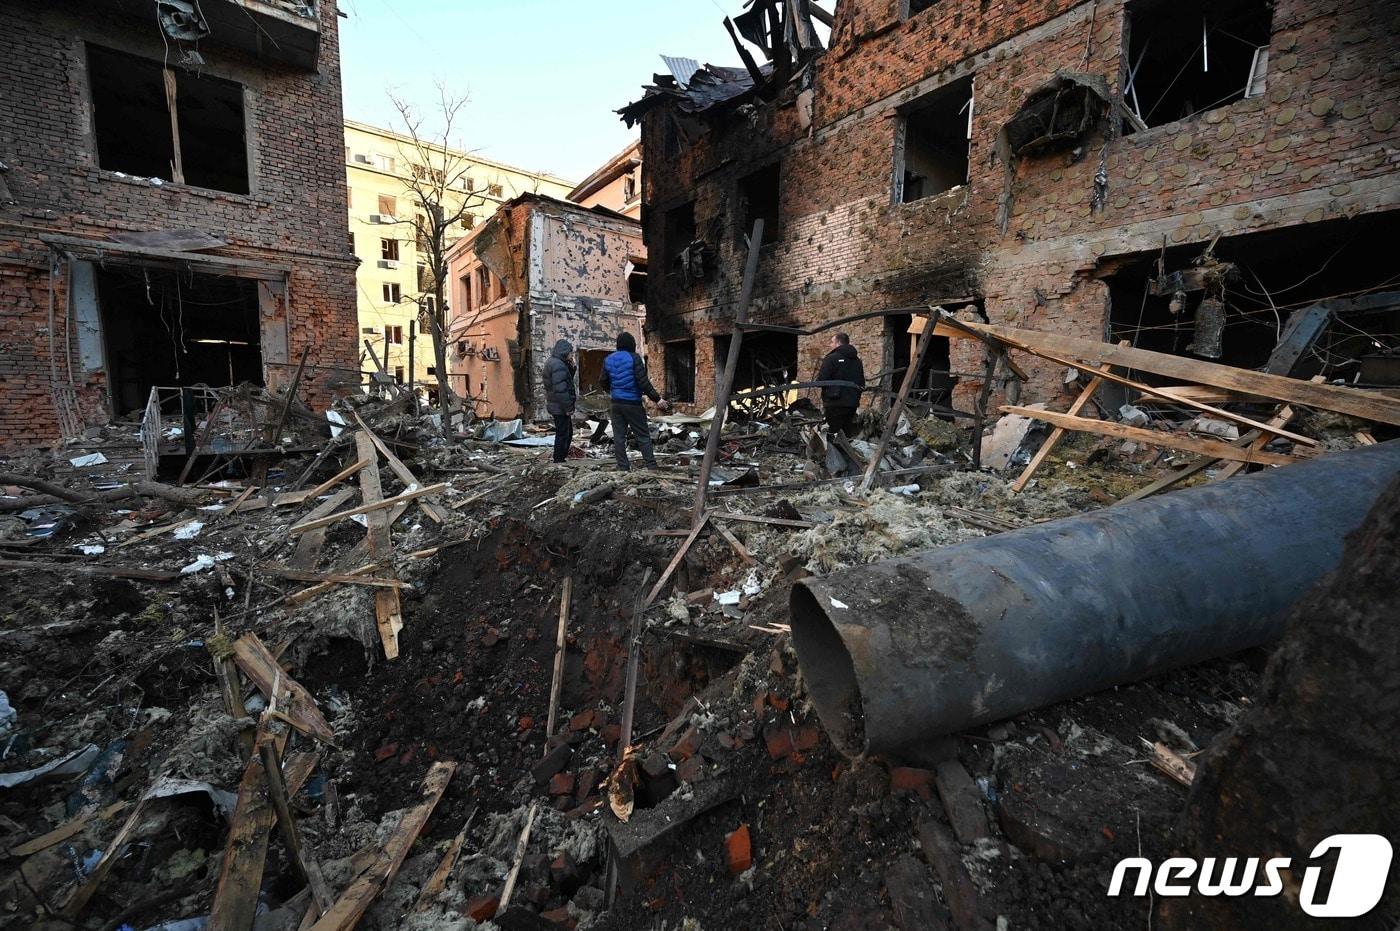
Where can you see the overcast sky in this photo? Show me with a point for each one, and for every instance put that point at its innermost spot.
(544, 76)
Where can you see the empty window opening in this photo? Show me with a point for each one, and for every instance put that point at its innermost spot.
(680, 370)
(765, 359)
(590, 369)
(915, 7)
(934, 382)
(156, 122)
(1189, 56)
(398, 374)
(931, 150)
(389, 250)
(167, 328)
(759, 196)
(468, 299)
(1264, 284)
(678, 232)
(636, 281)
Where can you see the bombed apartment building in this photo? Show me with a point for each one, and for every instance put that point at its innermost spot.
(538, 271)
(1209, 179)
(172, 207)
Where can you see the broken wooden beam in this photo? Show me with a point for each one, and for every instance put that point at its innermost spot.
(676, 559)
(361, 893)
(116, 572)
(388, 613)
(401, 471)
(1216, 448)
(367, 508)
(262, 669)
(1056, 434)
(557, 680)
(1354, 401)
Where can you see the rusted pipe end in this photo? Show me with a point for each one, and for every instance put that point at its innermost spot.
(828, 671)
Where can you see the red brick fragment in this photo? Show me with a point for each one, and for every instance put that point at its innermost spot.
(908, 779)
(738, 850)
(483, 907)
(385, 752)
(561, 784)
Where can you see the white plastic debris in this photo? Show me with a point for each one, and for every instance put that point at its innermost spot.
(188, 531)
(91, 549)
(752, 584)
(727, 598)
(337, 422)
(91, 459)
(904, 489)
(62, 768)
(205, 561)
(839, 604)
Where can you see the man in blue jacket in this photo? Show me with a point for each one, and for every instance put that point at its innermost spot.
(625, 379)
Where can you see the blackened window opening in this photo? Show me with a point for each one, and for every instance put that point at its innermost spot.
(759, 195)
(678, 232)
(167, 328)
(680, 370)
(934, 381)
(1188, 56)
(765, 359)
(915, 7)
(933, 157)
(204, 145)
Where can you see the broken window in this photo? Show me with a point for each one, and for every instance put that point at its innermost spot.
(636, 280)
(468, 299)
(629, 188)
(392, 293)
(931, 143)
(398, 374)
(167, 327)
(678, 232)
(590, 370)
(467, 222)
(680, 370)
(764, 359)
(934, 382)
(1189, 56)
(483, 285)
(388, 206)
(389, 250)
(758, 193)
(495, 190)
(915, 7)
(156, 122)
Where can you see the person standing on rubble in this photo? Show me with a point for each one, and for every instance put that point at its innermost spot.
(839, 402)
(561, 396)
(625, 379)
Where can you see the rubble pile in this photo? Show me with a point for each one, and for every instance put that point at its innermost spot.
(396, 685)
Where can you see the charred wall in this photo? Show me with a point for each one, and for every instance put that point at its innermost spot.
(1033, 236)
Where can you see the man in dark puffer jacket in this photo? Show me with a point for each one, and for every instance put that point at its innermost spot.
(561, 396)
(625, 379)
(839, 402)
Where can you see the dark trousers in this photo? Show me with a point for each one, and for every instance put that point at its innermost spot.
(839, 419)
(563, 436)
(631, 418)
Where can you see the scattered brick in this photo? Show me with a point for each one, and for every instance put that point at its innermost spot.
(738, 850)
(561, 784)
(691, 770)
(483, 907)
(687, 746)
(386, 752)
(908, 779)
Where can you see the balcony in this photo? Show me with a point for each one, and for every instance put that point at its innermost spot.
(280, 31)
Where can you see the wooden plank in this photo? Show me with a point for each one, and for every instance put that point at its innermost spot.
(1208, 395)
(911, 374)
(388, 614)
(245, 854)
(1255, 443)
(521, 846)
(1354, 401)
(357, 898)
(368, 507)
(66, 830)
(1107, 374)
(676, 560)
(115, 572)
(261, 668)
(83, 894)
(1217, 448)
(556, 682)
(634, 649)
(731, 367)
(327, 485)
(736, 546)
(303, 575)
(401, 471)
(438, 881)
(309, 544)
(758, 519)
(1056, 434)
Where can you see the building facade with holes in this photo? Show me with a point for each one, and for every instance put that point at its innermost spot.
(1142, 170)
(172, 207)
(538, 271)
(384, 177)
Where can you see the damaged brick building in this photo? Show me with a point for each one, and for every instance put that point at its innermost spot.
(1194, 177)
(172, 206)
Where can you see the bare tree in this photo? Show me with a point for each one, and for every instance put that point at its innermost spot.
(442, 193)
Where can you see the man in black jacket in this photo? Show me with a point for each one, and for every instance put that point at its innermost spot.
(839, 402)
(561, 396)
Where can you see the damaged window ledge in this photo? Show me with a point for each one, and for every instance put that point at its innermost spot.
(1247, 105)
(160, 184)
(958, 192)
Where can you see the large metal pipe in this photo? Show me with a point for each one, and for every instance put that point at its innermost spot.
(902, 651)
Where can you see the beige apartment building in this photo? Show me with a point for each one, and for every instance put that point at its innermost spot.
(616, 185)
(392, 282)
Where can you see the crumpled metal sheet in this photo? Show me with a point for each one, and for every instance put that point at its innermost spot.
(181, 19)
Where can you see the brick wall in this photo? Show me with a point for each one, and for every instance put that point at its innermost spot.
(295, 215)
(1320, 144)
